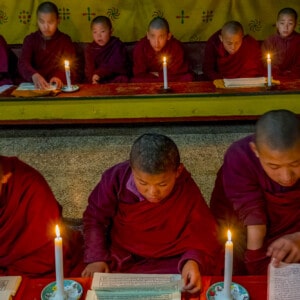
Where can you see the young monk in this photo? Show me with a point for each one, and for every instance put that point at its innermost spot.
(257, 193)
(148, 55)
(4, 62)
(106, 58)
(147, 215)
(231, 54)
(283, 46)
(28, 215)
(44, 51)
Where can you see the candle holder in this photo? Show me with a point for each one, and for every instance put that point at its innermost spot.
(71, 89)
(72, 291)
(216, 292)
(163, 90)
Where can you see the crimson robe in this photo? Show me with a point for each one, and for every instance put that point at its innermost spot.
(285, 55)
(110, 61)
(244, 195)
(219, 64)
(47, 56)
(4, 62)
(28, 215)
(146, 61)
(133, 235)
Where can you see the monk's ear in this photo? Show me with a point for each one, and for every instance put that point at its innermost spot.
(179, 170)
(169, 36)
(254, 148)
(220, 37)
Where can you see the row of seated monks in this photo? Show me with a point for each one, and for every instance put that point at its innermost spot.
(147, 214)
(229, 53)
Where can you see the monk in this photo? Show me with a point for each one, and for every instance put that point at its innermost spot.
(231, 54)
(44, 51)
(257, 194)
(147, 215)
(284, 45)
(106, 58)
(4, 62)
(149, 52)
(28, 215)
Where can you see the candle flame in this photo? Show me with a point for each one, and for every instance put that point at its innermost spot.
(57, 231)
(164, 59)
(229, 235)
(67, 64)
(268, 56)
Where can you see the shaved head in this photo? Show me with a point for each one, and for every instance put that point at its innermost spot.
(159, 23)
(278, 129)
(232, 27)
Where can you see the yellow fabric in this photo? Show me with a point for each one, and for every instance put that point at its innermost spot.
(189, 20)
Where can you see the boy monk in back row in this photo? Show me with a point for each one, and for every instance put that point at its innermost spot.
(231, 54)
(147, 215)
(284, 46)
(148, 55)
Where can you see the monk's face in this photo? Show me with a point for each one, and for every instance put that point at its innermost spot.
(158, 38)
(101, 33)
(285, 25)
(231, 41)
(155, 187)
(282, 167)
(47, 23)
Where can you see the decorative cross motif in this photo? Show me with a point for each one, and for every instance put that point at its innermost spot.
(24, 17)
(182, 17)
(65, 13)
(89, 14)
(207, 16)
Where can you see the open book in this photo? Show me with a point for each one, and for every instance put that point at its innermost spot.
(245, 82)
(110, 286)
(284, 282)
(9, 286)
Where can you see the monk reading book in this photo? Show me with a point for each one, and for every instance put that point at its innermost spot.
(257, 194)
(147, 215)
(231, 54)
(28, 215)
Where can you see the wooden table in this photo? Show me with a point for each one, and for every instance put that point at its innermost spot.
(256, 286)
(146, 102)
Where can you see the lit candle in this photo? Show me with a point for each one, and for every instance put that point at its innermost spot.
(269, 70)
(228, 267)
(165, 72)
(68, 75)
(59, 268)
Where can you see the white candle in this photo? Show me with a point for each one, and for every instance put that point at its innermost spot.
(165, 72)
(269, 70)
(68, 74)
(59, 269)
(228, 267)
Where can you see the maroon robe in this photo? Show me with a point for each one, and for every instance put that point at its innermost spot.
(219, 64)
(146, 61)
(28, 215)
(134, 235)
(110, 61)
(4, 62)
(47, 56)
(245, 195)
(285, 55)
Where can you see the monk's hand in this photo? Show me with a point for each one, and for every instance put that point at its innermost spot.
(95, 79)
(39, 82)
(56, 81)
(191, 277)
(99, 266)
(285, 249)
